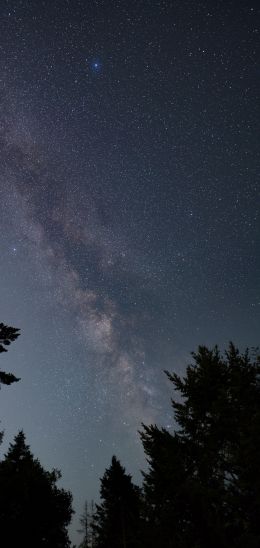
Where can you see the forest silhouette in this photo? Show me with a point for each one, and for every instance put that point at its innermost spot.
(202, 485)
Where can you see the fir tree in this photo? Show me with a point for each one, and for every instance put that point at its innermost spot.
(116, 521)
(33, 510)
(203, 485)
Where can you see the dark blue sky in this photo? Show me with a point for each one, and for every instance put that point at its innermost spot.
(128, 214)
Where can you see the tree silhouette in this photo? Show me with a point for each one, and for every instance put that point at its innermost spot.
(116, 521)
(7, 335)
(33, 510)
(86, 522)
(203, 484)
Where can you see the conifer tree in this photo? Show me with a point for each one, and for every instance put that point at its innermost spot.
(116, 521)
(33, 510)
(203, 484)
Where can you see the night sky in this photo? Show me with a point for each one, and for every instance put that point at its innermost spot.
(128, 215)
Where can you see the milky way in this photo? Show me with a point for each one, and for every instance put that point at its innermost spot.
(128, 215)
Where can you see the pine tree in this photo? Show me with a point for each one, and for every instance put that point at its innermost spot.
(203, 485)
(33, 510)
(117, 518)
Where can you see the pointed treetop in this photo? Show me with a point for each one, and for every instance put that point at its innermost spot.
(19, 450)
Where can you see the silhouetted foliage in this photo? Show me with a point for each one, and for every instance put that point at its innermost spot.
(34, 512)
(116, 521)
(7, 335)
(203, 484)
(86, 522)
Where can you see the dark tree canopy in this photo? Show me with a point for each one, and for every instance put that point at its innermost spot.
(116, 522)
(203, 484)
(7, 335)
(34, 512)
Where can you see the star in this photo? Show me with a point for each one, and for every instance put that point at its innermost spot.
(96, 66)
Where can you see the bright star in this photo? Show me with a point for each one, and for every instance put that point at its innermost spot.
(96, 66)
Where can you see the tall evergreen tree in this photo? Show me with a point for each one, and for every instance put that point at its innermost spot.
(203, 485)
(33, 510)
(117, 518)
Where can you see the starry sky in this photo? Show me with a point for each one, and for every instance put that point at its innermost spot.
(128, 215)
